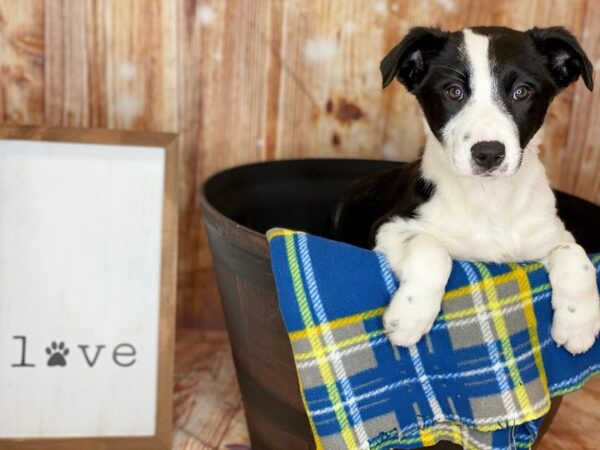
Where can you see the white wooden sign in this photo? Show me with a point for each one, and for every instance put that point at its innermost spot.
(81, 288)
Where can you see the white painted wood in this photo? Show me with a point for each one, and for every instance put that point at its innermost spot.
(80, 236)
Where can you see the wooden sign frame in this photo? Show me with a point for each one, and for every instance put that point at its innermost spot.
(168, 265)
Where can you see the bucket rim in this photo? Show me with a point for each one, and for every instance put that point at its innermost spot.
(208, 207)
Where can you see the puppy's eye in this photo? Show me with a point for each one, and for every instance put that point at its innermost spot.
(521, 93)
(455, 93)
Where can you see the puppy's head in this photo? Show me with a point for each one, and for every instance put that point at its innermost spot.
(485, 91)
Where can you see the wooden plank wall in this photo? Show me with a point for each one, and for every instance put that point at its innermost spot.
(248, 80)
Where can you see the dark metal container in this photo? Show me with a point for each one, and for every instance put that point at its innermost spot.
(238, 206)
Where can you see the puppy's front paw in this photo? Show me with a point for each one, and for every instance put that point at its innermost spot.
(576, 322)
(411, 315)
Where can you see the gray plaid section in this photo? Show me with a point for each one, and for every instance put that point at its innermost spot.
(465, 335)
(515, 321)
(479, 439)
(492, 406)
(469, 333)
(310, 375)
(385, 422)
(333, 442)
(355, 358)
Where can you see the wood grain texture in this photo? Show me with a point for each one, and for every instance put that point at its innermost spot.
(581, 163)
(110, 64)
(208, 412)
(205, 381)
(255, 80)
(576, 426)
(22, 62)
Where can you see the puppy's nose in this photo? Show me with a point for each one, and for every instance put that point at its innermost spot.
(488, 154)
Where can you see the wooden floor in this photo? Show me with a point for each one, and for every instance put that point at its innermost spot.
(209, 413)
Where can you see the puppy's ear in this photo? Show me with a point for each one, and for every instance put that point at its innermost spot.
(566, 59)
(409, 60)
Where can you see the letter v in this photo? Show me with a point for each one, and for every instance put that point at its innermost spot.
(84, 348)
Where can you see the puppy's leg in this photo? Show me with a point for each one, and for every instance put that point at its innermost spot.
(575, 299)
(423, 266)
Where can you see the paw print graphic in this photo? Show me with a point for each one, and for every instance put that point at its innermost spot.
(57, 353)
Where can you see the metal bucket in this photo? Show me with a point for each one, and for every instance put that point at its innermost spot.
(238, 206)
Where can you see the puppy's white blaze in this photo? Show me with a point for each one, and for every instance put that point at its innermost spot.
(483, 117)
(477, 50)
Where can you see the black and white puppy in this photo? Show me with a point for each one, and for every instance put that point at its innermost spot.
(479, 191)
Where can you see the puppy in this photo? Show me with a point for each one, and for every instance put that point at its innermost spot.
(479, 191)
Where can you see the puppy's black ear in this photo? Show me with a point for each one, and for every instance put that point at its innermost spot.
(409, 60)
(566, 59)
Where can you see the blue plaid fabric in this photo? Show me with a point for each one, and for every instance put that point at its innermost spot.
(482, 378)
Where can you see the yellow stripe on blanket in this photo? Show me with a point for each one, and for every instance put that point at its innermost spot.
(315, 341)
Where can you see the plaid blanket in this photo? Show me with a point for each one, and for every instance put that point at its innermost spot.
(482, 378)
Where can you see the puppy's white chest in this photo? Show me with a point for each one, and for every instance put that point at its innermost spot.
(488, 227)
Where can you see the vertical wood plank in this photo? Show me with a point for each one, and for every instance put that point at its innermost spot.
(72, 78)
(224, 91)
(111, 64)
(581, 161)
(21, 62)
